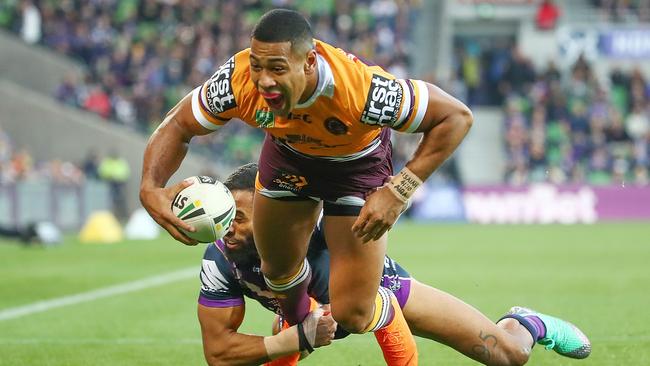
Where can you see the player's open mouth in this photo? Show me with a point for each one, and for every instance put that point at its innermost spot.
(274, 100)
(231, 244)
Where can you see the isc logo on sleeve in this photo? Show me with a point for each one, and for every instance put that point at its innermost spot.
(219, 93)
(383, 102)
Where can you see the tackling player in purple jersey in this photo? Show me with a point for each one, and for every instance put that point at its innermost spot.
(231, 271)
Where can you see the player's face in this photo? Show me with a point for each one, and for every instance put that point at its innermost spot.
(281, 74)
(240, 246)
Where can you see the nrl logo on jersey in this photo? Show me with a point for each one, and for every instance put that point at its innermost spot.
(264, 118)
(219, 94)
(383, 102)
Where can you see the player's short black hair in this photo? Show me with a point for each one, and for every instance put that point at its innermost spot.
(243, 178)
(284, 25)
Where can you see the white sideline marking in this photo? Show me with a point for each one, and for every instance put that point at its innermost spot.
(92, 295)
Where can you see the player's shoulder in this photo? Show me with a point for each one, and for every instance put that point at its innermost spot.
(376, 95)
(219, 286)
(348, 64)
(228, 83)
(215, 260)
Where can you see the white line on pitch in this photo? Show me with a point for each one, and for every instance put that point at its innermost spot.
(123, 288)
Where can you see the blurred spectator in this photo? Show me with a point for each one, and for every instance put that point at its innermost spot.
(115, 170)
(471, 72)
(98, 101)
(547, 15)
(5, 156)
(30, 29)
(519, 73)
(68, 92)
(22, 164)
(90, 165)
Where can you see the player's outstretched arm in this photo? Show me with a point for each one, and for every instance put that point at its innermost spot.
(444, 126)
(223, 345)
(163, 155)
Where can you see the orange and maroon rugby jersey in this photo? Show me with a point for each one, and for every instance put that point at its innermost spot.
(340, 121)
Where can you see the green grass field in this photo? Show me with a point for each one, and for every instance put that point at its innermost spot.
(598, 276)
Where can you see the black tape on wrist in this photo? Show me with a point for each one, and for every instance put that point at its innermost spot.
(303, 343)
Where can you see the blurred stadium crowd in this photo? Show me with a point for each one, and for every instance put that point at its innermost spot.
(17, 164)
(561, 126)
(574, 129)
(623, 10)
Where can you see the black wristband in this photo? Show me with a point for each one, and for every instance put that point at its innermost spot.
(303, 343)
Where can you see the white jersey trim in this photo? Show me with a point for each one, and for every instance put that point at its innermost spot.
(423, 103)
(406, 102)
(196, 110)
(349, 201)
(281, 194)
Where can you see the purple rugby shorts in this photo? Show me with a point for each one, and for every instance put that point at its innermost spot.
(342, 184)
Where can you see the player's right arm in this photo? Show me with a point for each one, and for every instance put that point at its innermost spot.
(204, 110)
(163, 155)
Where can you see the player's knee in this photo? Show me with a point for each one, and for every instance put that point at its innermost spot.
(354, 318)
(277, 272)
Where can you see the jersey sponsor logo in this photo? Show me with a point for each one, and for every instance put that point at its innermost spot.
(383, 102)
(335, 126)
(219, 93)
(299, 117)
(291, 182)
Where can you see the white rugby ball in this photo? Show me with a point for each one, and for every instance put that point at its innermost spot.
(207, 205)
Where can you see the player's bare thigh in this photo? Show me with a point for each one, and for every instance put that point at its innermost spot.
(355, 271)
(282, 230)
(439, 316)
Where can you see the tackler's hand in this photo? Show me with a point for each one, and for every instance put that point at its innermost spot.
(315, 331)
